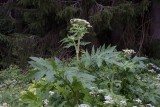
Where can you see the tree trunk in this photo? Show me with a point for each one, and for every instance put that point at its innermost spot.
(154, 49)
(155, 28)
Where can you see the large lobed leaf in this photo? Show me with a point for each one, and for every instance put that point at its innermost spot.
(43, 67)
(87, 80)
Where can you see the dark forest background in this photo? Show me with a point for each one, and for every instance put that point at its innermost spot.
(35, 27)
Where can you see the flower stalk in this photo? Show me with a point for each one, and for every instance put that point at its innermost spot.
(79, 28)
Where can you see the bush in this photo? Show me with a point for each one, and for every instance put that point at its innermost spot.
(103, 78)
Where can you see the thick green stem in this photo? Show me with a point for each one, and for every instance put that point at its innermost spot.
(66, 83)
(78, 49)
(112, 83)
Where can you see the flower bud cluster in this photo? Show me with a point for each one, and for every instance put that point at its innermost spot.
(129, 51)
(95, 92)
(77, 20)
(32, 89)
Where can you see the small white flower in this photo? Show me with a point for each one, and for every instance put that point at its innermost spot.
(138, 77)
(45, 102)
(91, 93)
(134, 106)
(92, 88)
(149, 105)
(51, 93)
(152, 71)
(5, 104)
(144, 80)
(138, 100)
(100, 91)
(2, 85)
(108, 102)
(123, 103)
(157, 85)
(83, 105)
(158, 77)
(108, 97)
(14, 81)
(154, 66)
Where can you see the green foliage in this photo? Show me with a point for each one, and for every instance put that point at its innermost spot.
(104, 77)
(117, 74)
(10, 73)
(38, 14)
(17, 49)
(11, 84)
(67, 13)
(53, 69)
(4, 50)
(101, 55)
(61, 78)
(6, 24)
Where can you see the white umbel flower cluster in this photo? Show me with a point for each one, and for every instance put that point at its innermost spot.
(155, 67)
(4, 105)
(77, 20)
(100, 91)
(51, 93)
(123, 103)
(108, 99)
(45, 102)
(152, 70)
(83, 105)
(95, 92)
(157, 85)
(129, 51)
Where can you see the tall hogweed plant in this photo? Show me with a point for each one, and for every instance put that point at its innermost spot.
(79, 28)
(103, 77)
